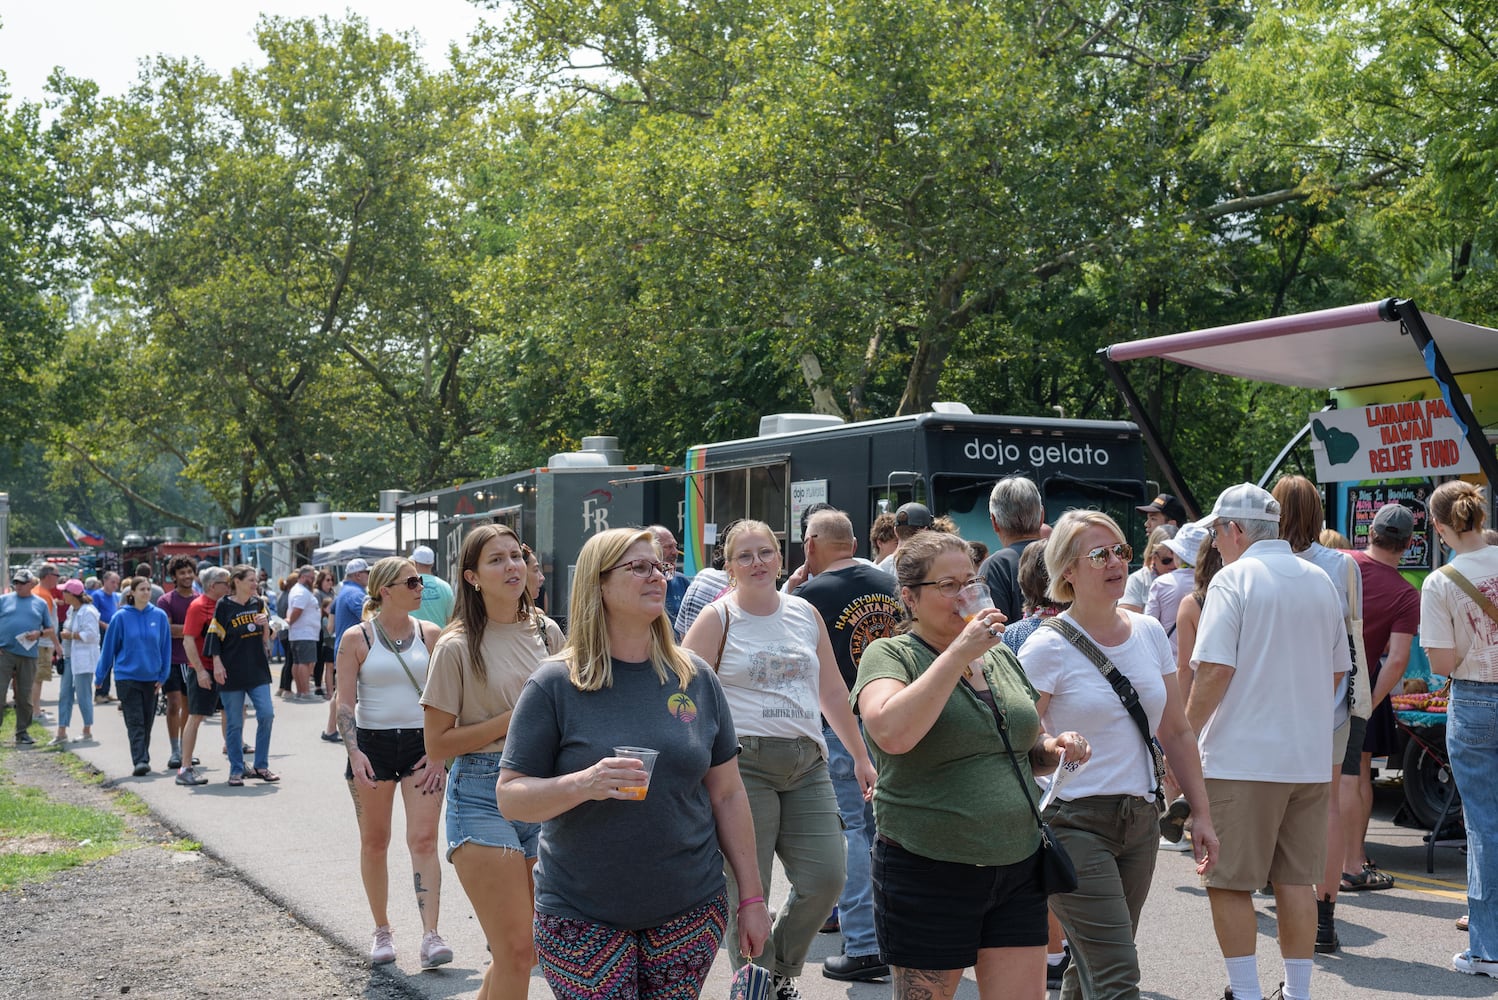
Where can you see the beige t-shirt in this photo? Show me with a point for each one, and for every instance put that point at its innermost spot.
(512, 652)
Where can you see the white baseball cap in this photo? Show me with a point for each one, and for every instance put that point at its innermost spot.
(355, 566)
(1246, 502)
(423, 555)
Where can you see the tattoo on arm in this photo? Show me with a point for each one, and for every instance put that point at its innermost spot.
(346, 728)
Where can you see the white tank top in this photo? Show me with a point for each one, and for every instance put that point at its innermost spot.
(387, 698)
(770, 671)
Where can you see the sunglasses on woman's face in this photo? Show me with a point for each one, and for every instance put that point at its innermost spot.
(1165, 560)
(410, 583)
(1099, 556)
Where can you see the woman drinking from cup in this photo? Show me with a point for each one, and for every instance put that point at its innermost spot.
(382, 667)
(480, 664)
(630, 894)
(957, 862)
(1105, 815)
(778, 671)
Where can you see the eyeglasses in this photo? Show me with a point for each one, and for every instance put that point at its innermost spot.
(410, 583)
(1099, 556)
(642, 568)
(951, 587)
(765, 555)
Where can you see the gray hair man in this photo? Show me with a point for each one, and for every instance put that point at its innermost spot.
(1018, 518)
(1270, 651)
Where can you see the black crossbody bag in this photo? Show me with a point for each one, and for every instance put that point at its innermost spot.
(1125, 692)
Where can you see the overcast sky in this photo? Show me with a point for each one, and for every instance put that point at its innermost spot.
(105, 41)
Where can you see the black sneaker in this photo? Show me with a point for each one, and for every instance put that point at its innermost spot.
(174, 762)
(141, 770)
(785, 988)
(331, 738)
(1053, 973)
(23, 739)
(855, 969)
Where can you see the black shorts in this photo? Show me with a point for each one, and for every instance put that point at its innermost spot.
(392, 753)
(201, 701)
(938, 914)
(177, 679)
(1352, 763)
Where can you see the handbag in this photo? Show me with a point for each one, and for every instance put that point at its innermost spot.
(1126, 694)
(1057, 873)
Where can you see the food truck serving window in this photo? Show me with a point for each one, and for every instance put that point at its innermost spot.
(757, 492)
(965, 500)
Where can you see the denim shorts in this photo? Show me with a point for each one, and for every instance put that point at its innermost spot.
(473, 811)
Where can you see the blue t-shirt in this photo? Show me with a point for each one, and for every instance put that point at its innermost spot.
(348, 610)
(628, 864)
(106, 604)
(17, 615)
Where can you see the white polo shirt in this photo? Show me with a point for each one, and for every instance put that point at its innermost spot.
(1277, 621)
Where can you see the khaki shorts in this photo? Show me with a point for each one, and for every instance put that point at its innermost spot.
(1339, 743)
(1269, 831)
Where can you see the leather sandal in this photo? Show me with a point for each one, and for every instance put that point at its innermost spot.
(236, 780)
(263, 774)
(1369, 878)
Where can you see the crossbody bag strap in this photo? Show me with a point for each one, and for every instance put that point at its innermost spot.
(1019, 775)
(726, 615)
(1471, 591)
(398, 657)
(1121, 687)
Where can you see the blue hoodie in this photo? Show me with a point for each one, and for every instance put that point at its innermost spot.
(137, 646)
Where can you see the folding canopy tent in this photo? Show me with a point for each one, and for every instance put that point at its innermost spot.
(1345, 348)
(376, 543)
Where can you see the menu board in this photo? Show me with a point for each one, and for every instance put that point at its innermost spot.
(1363, 503)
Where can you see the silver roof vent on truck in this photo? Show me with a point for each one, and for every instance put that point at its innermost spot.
(785, 423)
(596, 452)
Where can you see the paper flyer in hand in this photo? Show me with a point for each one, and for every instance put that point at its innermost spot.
(25, 640)
(1064, 770)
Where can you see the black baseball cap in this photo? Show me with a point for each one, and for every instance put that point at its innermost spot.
(1168, 505)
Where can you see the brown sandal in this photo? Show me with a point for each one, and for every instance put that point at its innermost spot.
(237, 780)
(263, 774)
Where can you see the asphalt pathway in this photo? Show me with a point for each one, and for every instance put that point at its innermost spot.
(296, 841)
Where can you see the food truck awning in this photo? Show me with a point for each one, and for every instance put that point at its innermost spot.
(1343, 348)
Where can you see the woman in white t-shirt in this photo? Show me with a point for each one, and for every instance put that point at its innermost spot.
(1461, 640)
(1158, 559)
(780, 677)
(487, 652)
(80, 649)
(1105, 813)
(382, 667)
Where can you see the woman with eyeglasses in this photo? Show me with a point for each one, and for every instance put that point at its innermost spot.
(1105, 814)
(238, 640)
(1157, 559)
(479, 666)
(779, 674)
(381, 671)
(630, 894)
(956, 867)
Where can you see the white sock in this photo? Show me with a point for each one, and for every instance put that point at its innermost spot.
(1298, 978)
(1243, 977)
(1056, 959)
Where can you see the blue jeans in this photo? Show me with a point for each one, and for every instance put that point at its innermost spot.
(855, 907)
(72, 689)
(265, 714)
(1472, 743)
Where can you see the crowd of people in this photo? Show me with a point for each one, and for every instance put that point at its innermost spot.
(963, 758)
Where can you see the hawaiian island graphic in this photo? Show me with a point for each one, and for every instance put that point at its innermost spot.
(1340, 445)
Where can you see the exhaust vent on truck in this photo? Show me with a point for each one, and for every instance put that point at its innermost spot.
(785, 423)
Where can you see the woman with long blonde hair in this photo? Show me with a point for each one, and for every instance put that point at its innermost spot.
(631, 879)
(381, 671)
(480, 663)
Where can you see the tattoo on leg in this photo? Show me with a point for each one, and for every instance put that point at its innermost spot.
(421, 903)
(922, 984)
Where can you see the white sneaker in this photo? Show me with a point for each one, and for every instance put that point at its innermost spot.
(434, 950)
(1184, 844)
(1463, 961)
(382, 951)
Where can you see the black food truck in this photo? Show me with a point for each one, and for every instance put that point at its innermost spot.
(553, 508)
(948, 459)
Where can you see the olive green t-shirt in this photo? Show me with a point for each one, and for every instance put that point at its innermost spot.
(954, 796)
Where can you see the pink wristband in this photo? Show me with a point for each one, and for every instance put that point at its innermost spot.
(750, 902)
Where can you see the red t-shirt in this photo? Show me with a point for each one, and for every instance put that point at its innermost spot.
(1390, 605)
(195, 624)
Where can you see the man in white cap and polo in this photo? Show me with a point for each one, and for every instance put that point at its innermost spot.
(1270, 651)
(436, 595)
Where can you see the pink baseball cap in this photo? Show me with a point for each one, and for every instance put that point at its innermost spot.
(74, 587)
